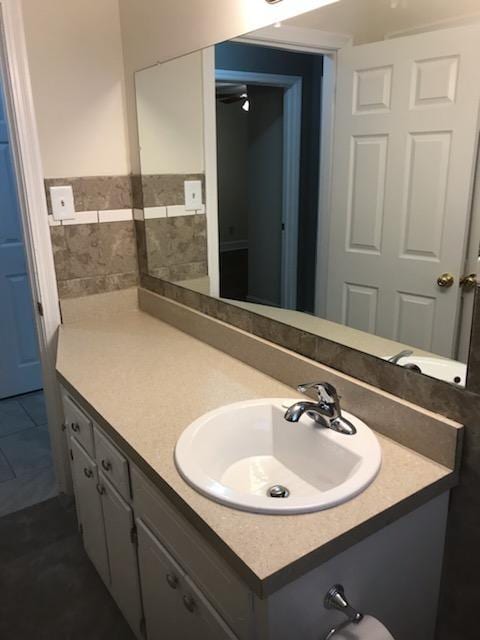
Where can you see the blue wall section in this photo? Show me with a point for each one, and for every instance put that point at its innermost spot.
(246, 57)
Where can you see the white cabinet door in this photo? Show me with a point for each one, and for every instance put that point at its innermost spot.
(162, 583)
(124, 582)
(89, 508)
(405, 151)
(174, 607)
(203, 620)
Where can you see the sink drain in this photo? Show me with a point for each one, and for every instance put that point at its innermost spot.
(278, 491)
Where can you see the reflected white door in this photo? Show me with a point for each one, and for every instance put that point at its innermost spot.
(404, 154)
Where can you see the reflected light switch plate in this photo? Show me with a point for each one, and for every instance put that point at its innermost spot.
(193, 194)
(63, 207)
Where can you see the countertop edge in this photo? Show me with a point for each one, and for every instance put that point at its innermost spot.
(266, 587)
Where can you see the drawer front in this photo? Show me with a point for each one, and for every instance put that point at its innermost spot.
(78, 424)
(112, 463)
(223, 588)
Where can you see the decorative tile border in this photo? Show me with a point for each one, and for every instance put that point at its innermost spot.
(94, 217)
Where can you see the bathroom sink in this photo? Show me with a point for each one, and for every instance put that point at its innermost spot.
(246, 455)
(440, 368)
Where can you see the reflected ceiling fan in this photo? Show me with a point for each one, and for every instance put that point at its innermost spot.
(229, 93)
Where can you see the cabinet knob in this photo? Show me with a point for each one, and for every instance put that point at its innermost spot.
(75, 427)
(107, 465)
(101, 489)
(88, 472)
(189, 603)
(172, 580)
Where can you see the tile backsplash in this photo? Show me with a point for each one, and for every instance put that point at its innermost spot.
(96, 251)
(119, 218)
(95, 193)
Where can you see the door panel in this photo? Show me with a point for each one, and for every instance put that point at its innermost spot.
(204, 621)
(404, 158)
(19, 365)
(89, 508)
(165, 616)
(175, 609)
(125, 588)
(366, 201)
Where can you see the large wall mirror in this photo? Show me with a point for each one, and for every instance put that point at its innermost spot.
(321, 173)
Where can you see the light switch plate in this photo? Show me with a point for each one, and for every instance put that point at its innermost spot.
(63, 207)
(193, 194)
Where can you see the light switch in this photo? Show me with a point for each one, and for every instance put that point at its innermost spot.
(63, 207)
(193, 194)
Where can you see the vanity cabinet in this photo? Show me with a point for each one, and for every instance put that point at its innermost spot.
(101, 480)
(129, 533)
(172, 584)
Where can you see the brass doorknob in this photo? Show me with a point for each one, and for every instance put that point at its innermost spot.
(445, 280)
(468, 282)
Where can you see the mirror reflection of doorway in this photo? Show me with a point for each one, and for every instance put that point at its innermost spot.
(250, 154)
(268, 108)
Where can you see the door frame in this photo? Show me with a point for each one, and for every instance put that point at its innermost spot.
(292, 131)
(325, 44)
(34, 217)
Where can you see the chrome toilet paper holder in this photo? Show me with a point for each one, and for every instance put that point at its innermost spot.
(335, 599)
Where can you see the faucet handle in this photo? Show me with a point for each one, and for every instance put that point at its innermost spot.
(326, 391)
(328, 397)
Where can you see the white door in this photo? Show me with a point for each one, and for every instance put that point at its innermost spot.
(404, 154)
(124, 583)
(174, 607)
(89, 508)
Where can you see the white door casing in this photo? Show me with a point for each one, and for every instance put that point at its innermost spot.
(404, 156)
(30, 175)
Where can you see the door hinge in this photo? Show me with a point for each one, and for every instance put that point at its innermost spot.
(143, 627)
(134, 535)
(71, 454)
(40, 308)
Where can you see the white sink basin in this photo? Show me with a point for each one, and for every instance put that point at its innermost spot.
(440, 368)
(235, 454)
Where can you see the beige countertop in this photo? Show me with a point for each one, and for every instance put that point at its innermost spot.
(147, 382)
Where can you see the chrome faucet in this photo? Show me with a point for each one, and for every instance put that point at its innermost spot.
(326, 412)
(406, 353)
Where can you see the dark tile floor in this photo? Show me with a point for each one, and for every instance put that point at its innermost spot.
(26, 469)
(49, 589)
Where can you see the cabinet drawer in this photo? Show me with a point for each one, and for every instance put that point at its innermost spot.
(78, 424)
(112, 463)
(224, 589)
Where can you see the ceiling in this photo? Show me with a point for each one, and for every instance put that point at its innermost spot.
(372, 20)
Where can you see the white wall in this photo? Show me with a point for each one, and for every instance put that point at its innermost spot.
(76, 64)
(170, 116)
(158, 30)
